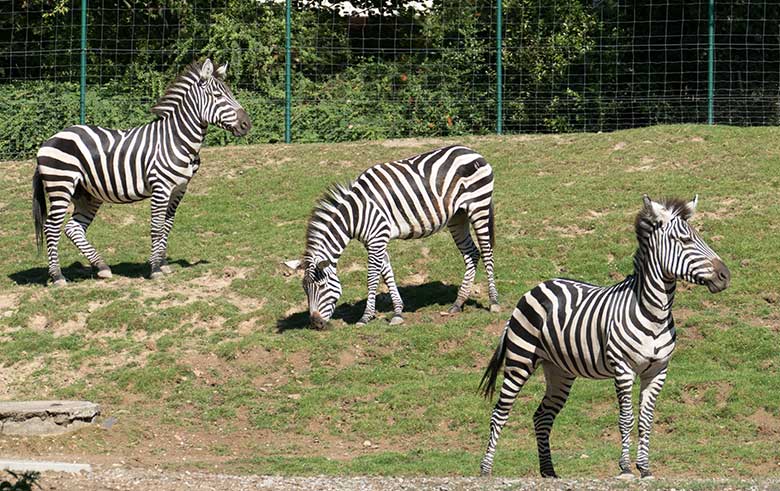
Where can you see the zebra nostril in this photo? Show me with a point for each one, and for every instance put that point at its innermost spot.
(244, 124)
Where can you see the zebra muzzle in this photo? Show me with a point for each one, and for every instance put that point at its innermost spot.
(721, 277)
(317, 322)
(243, 123)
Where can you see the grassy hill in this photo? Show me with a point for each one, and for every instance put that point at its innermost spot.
(213, 367)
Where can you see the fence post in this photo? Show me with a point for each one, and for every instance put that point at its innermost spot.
(83, 81)
(287, 72)
(711, 65)
(499, 71)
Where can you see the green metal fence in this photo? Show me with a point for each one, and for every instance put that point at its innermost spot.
(334, 71)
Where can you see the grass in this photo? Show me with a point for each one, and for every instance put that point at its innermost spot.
(213, 366)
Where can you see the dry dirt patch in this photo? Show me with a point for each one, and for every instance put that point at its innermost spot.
(568, 231)
(414, 142)
(767, 423)
(8, 301)
(694, 394)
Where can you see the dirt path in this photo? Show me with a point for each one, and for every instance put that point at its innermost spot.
(126, 479)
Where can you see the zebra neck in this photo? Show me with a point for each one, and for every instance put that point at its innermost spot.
(330, 230)
(654, 292)
(186, 131)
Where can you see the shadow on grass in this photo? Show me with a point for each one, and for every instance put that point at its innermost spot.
(415, 297)
(77, 272)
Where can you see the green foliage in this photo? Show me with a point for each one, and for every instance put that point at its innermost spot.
(391, 71)
(23, 482)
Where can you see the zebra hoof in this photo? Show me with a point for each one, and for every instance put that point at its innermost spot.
(104, 272)
(455, 310)
(495, 308)
(625, 476)
(166, 269)
(59, 283)
(485, 472)
(156, 275)
(646, 475)
(396, 320)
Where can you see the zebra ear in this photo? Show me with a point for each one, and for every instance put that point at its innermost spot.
(222, 71)
(293, 264)
(657, 211)
(692, 206)
(207, 70)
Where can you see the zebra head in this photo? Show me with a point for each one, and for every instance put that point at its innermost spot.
(678, 248)
(218, 106)
(323, 289)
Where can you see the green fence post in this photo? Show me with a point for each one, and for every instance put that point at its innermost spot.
(83, 82)
(287, 72)
(499, 71)
(711, 66)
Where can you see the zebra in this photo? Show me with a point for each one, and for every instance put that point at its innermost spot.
(88, 165)
(405, 199)
(575, 329)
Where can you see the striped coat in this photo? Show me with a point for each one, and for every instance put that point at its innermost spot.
(87, 166)
(574, 329)
(405, 199)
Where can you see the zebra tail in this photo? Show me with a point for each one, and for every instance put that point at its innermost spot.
(38, 208)
(492, 225)
(488, 383)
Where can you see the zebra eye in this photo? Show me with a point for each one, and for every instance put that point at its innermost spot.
(216, 93)
(685, 239)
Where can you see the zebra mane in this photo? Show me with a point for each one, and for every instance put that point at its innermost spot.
(646, 219)
(174, 93)
(324, 210)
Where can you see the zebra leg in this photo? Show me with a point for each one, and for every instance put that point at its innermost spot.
(160, 200)
(60, 200)
(84, 212)
(559, 384)
(624, 382)
(398, 304)
(459, 229)
(376, 263)
(516, 374)
(170, 214)
(481, 222)
(651, 385)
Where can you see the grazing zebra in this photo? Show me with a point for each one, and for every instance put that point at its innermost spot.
(574, 329)
(89, 165)
(404, 199)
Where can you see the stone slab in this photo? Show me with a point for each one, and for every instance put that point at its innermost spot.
(41, 418)
(42, 466)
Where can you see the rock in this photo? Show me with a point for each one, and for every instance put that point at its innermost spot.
(45, 417)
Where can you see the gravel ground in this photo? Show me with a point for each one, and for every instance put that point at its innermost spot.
(125, 479)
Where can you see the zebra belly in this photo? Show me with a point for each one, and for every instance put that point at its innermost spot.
(409, 232)
(100, 193)
(574, 357)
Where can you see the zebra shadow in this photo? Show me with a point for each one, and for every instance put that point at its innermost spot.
(415, 297)
(77, 271)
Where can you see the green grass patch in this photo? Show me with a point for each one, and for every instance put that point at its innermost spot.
(219, 353)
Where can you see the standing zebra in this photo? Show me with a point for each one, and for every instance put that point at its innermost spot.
(404, 199)
(577, 329)
(89, 165)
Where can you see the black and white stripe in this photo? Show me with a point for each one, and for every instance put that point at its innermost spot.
(574, 329)
(406, 199)
(89, 165)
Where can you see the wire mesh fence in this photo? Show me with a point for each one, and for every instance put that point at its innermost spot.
(390, 68)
